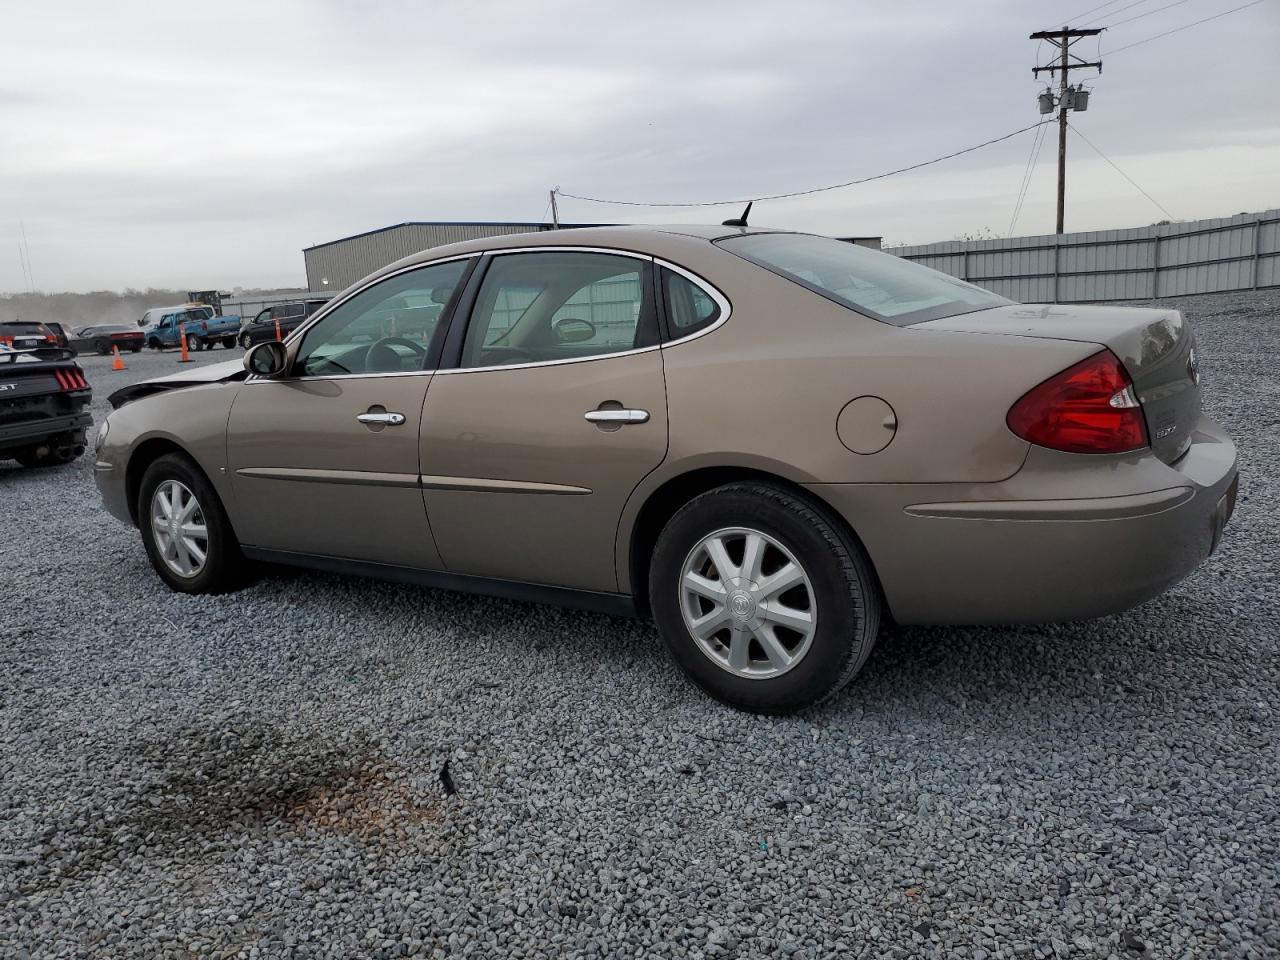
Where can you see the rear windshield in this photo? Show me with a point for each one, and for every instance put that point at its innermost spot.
(879, 285)
(14, 328)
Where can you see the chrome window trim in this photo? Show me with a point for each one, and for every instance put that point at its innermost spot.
(726, 309)
(254, 378)
(549, 363)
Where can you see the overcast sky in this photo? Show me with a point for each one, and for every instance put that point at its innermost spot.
(185, 145)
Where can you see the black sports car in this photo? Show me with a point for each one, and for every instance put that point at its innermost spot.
(44, 400)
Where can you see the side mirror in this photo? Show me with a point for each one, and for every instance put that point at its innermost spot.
(573, 330)
(266, 359)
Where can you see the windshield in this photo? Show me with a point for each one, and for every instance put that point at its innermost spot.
(879, 285)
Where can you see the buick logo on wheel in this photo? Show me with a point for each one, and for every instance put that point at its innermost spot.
(1193, 366)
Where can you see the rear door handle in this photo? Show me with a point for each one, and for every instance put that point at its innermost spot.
(386, 419)
(617, 416)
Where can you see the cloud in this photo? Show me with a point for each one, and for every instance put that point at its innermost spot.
(172, 145)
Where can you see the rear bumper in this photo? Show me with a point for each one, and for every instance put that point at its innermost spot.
(22, 434)
(1026, 551)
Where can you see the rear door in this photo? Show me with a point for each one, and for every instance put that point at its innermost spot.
(325, 461)
(553, 413)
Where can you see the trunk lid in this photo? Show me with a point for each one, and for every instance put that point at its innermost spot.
(1156, 347)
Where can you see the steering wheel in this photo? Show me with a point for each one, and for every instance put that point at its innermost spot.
(381, 358)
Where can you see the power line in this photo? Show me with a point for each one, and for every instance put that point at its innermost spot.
(1032, 158)
(1127, 7)
(1186, 26)
(1121, 172)
(1093, 11)
(1120, 23)
(805, 193)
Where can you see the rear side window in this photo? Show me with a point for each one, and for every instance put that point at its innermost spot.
(879, 285)
(559, 305)
(689, 307)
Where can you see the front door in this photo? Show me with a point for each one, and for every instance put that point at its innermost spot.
(555, 411)
(325, 460)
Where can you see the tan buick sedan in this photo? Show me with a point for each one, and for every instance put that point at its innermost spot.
(766, 441)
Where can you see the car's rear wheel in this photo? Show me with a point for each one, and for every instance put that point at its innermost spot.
(193, 342)
(102, 347)
(765, 602)
(228, 343)
(185, 530)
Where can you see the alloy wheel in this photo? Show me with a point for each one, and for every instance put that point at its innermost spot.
(178, 526)
(748, 603)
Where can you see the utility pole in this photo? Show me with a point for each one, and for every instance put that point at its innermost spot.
(1067, 61)
(555, 211)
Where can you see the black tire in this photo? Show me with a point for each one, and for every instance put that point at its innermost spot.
(844, 586)
(137, 349)
(101, 347)
(154, 344)
(193, 343)
(228, 343)
(224, 567)
(246, 341)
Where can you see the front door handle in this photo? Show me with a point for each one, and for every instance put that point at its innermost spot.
(617, 416)
(385, 419)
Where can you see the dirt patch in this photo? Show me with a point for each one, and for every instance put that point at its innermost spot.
(374, 801)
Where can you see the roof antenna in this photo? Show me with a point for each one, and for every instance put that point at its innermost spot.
(742, 220)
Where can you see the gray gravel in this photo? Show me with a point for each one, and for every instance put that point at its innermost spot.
(260, 774)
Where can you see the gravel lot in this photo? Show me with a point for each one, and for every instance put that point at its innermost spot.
(260, 774)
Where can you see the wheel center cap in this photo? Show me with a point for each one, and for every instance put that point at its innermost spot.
(742, 606)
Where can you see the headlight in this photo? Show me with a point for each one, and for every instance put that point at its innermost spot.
(102, 434)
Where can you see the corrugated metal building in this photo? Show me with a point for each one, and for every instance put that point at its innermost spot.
(1144, 263)
(336, 265)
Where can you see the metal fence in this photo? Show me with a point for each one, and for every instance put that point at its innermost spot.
(1166, 260)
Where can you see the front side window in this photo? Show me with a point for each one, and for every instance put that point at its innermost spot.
(390, 327)
(559, 305)
(880, 285)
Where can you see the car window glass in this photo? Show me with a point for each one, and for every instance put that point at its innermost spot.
(689, 307)
(880, 285)
(389, 328)
(559, 305)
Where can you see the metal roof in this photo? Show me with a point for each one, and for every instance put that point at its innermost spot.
(530, 225)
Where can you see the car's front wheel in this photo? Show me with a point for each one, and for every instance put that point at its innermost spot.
(765, 602)
(185, 530)
(246, 341)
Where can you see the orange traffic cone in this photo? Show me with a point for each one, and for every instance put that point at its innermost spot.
(182, 338)
(278, 337)
(118, 362)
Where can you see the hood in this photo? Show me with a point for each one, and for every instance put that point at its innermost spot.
(227, 371)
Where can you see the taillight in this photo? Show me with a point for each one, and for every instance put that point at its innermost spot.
(71, 380)
(1087, 408)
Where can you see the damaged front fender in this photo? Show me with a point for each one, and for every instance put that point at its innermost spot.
(226, 372)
